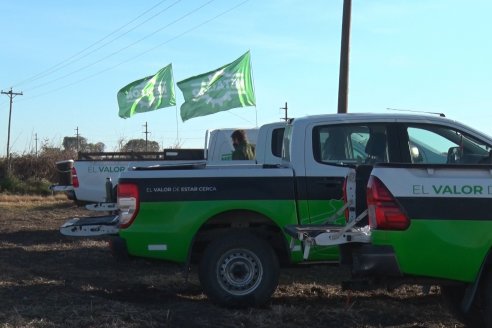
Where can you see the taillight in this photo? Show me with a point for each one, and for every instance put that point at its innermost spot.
(75, 179)
(384, 213)
(128, 203)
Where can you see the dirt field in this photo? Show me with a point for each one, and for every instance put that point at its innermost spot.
(48, 280)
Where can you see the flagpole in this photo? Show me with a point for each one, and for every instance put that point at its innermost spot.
(254, 91)
(177, 126)
(176, 111)
(256, 116)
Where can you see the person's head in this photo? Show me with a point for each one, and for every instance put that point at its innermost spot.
(238, 137)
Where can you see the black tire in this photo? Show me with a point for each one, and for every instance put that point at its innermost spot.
(487, 300)
(453, 296)
(239, 270)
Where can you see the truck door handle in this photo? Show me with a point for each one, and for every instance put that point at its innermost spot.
(330, 182)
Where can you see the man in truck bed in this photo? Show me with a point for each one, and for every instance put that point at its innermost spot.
(243, 150)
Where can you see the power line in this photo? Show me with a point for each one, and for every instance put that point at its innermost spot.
(124, 48)
(140, 54)
(71, 59)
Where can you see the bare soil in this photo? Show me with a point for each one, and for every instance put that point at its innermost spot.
(49, 280)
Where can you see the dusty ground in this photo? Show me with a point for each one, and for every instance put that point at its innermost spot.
(48, 280)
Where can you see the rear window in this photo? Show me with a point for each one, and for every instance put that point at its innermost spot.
(277, 141)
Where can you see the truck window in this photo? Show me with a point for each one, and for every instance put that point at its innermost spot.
(444, 145)
(277, 140)
(350, 144)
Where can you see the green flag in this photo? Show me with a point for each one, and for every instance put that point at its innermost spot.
(147, 94)
(228, 87)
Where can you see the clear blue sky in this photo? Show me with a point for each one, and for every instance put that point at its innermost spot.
(429, 55)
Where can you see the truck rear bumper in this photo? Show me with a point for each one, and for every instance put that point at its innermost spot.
(371, 260)
(96, 226)
(67, 189)
(91, 226)
(61, 187)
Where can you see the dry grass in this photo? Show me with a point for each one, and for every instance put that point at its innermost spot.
(48, 280)
(9, 200)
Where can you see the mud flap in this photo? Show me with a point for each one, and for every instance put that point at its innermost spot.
(91, 226)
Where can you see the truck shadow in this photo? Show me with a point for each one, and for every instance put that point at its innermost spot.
(48, 271)
(36, 237)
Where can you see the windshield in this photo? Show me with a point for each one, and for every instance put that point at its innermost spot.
(430, 144)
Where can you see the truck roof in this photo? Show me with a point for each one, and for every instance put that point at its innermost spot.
(385, 117)
(374, 117)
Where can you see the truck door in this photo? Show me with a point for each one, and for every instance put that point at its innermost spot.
(330, 149)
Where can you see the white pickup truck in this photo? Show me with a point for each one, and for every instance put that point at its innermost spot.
(93, 177)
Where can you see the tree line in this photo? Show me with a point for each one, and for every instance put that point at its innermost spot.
(133, 145)
(34, 172)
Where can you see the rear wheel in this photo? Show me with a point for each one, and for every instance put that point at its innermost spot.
(239, 270)
(453, 296)
(487, 300)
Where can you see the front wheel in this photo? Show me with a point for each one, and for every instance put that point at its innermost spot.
(239, 270)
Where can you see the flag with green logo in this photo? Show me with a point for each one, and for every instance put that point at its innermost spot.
(227, 87)
(147, 94)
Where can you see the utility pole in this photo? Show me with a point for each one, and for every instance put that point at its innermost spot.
(344, 58)
(77, 135)
(36, 143)
(146, 133)
(11, 95)
(285, 109)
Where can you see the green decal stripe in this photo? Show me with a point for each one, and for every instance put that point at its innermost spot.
(238, 188)
(214, 189)
(447, 208)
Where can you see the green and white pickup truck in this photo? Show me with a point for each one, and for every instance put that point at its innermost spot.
(432, 225)
(230, 219)
(429, 224)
